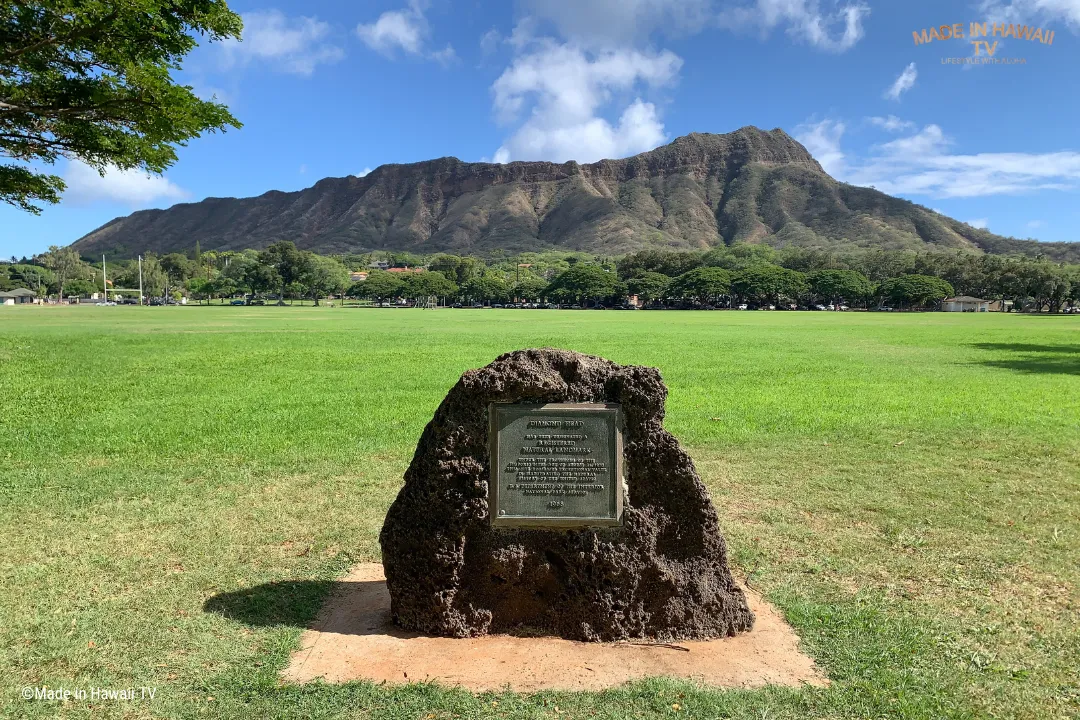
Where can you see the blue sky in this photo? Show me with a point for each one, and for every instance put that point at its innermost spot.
(336, 88)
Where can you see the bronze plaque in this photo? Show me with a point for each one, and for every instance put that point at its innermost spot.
(556, 465)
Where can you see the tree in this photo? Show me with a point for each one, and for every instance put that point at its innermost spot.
(486, 288)
(324, 276)
(79, 287)
(288, 263)
(91, 81)
(665, 262)
(914, 290)
(380, 285)
(200, 288)
(530, 288)
(31, 277)
(457, 269)
(64, 262)
(178, 267)
(261, 278)
(222, 286)
(704, 284)
(1047, 285)
(764, 284)
(427, 284)
(154, 278)
(649, 286)
(585, 283)
(834, 286)
(237, 275)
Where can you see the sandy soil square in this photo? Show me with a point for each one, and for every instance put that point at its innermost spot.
(353, 639)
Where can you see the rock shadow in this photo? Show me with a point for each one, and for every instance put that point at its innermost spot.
(343, 607)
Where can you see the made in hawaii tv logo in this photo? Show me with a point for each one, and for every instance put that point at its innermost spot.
(987, 39)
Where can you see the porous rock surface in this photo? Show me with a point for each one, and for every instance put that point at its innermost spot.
(662, 575)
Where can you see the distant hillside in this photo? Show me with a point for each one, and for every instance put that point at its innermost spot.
(696, 192)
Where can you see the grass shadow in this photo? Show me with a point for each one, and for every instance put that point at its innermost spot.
(1032, 358)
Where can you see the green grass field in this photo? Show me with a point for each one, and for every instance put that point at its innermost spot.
(904, 487)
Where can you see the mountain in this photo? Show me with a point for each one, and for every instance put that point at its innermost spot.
(699, 191)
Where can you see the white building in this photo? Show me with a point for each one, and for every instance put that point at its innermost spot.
(965, 303)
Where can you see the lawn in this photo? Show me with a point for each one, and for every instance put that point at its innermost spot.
(904, 487)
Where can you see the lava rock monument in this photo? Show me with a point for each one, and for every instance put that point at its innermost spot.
(545, 497)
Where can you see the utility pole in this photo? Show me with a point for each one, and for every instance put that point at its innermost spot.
(140, 280)
(104, 281)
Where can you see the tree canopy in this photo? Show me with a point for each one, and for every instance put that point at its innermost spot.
(648, 286)
(324, 276)
(380, 285)
(65, 264)
(486, 288)
(585, 283)
(836, 285)
(530, 288)
(914, 290)
(90, 80)
(427, 284)
(763, 283)
(704, 284)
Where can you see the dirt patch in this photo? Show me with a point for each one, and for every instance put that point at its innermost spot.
(353, 639)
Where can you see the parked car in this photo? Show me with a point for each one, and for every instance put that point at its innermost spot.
(237, 302)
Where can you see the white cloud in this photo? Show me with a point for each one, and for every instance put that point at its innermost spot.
(980, 223)
(294, 45)
(567, 88)
(822, 139)
(1020, 11)
(405, 30)
(891, 123)
(904, 82)
(489, 41)
(134, 188)
(1035, 224)
(364, 172)
(303, 169)
(585, 95)
(608, 24)
(804, 20)
(928, 141)
(921, 164)
(445, 57)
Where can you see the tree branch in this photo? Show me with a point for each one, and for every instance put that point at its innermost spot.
(75, 34)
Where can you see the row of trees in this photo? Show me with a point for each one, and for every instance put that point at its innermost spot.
(280, 270)
(900, 278)
(725, 276)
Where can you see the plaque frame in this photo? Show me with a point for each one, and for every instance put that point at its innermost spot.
(617, 477)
